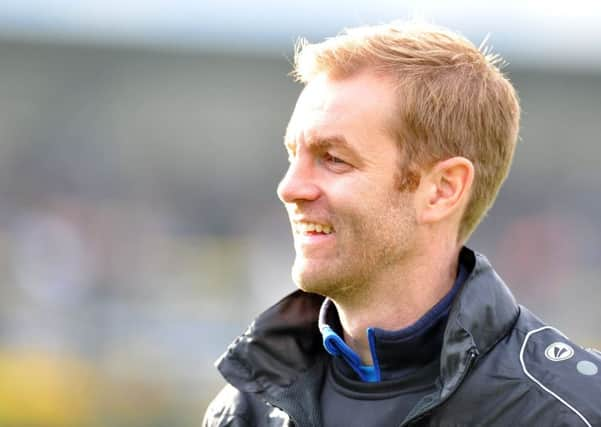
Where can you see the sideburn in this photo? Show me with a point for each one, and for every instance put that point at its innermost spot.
(406, 179)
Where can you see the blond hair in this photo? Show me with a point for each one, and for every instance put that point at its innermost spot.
(453, 100)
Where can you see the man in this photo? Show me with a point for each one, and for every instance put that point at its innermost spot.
(398, 146)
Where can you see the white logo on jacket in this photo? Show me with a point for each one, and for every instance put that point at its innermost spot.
(559, 351)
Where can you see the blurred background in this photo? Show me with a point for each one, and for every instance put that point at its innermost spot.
(140, 149)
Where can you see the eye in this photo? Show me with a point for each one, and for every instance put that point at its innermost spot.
(332, 159)
(335, 164)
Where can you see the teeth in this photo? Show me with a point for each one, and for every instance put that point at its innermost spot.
(307, 227)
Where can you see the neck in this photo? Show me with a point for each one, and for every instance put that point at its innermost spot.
(397, 298)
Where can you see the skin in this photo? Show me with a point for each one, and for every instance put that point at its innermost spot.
(393, 254)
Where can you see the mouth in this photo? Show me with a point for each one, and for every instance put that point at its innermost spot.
(308, 228)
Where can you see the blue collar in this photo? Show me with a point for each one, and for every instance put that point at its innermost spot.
(394, 353)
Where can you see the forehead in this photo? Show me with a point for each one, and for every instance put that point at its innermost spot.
(358, 107)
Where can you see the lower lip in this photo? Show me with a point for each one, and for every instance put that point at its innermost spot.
(314, 238)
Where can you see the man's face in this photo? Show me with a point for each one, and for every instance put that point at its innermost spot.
(351, 224)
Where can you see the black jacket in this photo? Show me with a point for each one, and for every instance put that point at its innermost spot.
(500, 366)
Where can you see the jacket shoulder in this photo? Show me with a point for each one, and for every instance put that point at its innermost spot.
(229, 409)
(235, 408)
(535, 375)
(562, 370)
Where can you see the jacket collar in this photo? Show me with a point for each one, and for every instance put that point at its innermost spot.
(279, 344)
(284, 342)
(483, 313)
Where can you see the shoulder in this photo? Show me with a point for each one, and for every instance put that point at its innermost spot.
(235, 408)
(560, 369)
(564, 370)
(229, 408)
(535, 374)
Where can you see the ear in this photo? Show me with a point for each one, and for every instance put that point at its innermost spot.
(444, 190)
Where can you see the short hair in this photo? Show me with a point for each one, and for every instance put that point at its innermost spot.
(453, 100)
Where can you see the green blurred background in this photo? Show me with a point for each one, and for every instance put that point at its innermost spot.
(140, 149)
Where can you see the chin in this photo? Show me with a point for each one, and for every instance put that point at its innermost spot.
(310, 279)
(322, 280)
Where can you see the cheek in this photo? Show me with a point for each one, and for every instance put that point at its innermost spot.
(358, 203)
(352, 192)
(360, 220)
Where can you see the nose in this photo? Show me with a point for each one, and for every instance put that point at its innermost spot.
(298, 184)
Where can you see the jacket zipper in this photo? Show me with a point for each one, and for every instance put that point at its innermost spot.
(473, 353)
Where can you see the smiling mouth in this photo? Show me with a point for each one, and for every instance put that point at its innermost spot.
(312, 228)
